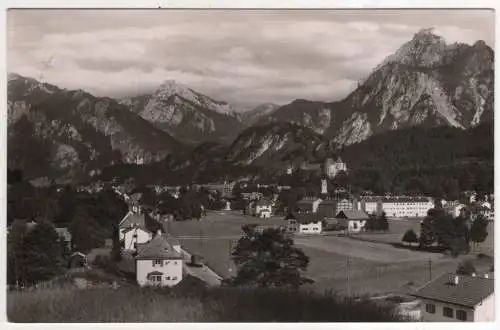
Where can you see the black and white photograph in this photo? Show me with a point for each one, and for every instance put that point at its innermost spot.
(249, 165)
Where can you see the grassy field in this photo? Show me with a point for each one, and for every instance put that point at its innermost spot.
(375, 267)
(182, 304)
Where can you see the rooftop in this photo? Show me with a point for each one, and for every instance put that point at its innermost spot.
(469, 292)
(305, 218)
(309, 200)
(140, 220)
(354, 215)
(160, 247)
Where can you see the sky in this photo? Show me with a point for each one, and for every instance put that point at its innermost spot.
(245, 57)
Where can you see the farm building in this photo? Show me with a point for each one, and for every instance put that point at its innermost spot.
(305, 223)
(458, 298)
(353, 221)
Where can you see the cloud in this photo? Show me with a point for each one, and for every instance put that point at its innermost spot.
(244, 57)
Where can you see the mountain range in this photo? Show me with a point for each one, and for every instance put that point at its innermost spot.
(425, 83)
(187, 115)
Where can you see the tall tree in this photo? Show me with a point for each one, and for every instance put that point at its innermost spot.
(15, 239)
(85, 232)
(41, 254)
(479, 230)
(268, 259)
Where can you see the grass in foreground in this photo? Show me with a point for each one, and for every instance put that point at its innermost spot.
(132, 304)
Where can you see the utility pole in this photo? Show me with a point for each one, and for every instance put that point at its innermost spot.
(430, 269)
(348, 264)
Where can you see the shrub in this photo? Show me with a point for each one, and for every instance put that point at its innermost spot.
(410, 237)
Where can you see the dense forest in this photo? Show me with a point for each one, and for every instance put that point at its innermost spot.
(438, 161)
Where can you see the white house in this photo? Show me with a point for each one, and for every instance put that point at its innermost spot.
(158, 262)
(135, 235)
(353, 221)
(263, 208)
(454, 208)
(305, 223)
(457, 298)
(137, 228)
(370, 205)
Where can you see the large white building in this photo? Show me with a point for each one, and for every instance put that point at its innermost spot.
(457, 298)
(159, 262)
(397, 206)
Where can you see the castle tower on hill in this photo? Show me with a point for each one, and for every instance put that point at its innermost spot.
(333, 168)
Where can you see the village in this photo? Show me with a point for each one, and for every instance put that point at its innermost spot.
(357, 246)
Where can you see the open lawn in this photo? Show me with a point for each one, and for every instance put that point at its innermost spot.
(397, 228)
(374, 268)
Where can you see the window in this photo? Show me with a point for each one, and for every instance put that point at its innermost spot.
(157, 263)
(174, 278)
(447, 311)
(461, 315)
(167, 278)
(430, 308)
(175, 262)
(155, 278)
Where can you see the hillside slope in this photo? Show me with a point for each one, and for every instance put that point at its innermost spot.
(426, 82)
(186, 114)
(57, 132)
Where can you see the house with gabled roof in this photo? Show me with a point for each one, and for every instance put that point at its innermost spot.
(262, 208)
(353, 220)
(136, 228)
(305, 223)
(457, 298)
(159, 262)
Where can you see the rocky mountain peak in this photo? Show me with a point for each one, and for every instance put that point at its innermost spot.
(427, 35)
(170, 87)
(426, 49)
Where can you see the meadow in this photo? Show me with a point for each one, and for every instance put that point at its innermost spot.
(371, 263)
(189, 304)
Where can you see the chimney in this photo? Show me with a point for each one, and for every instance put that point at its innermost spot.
(486, 276)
